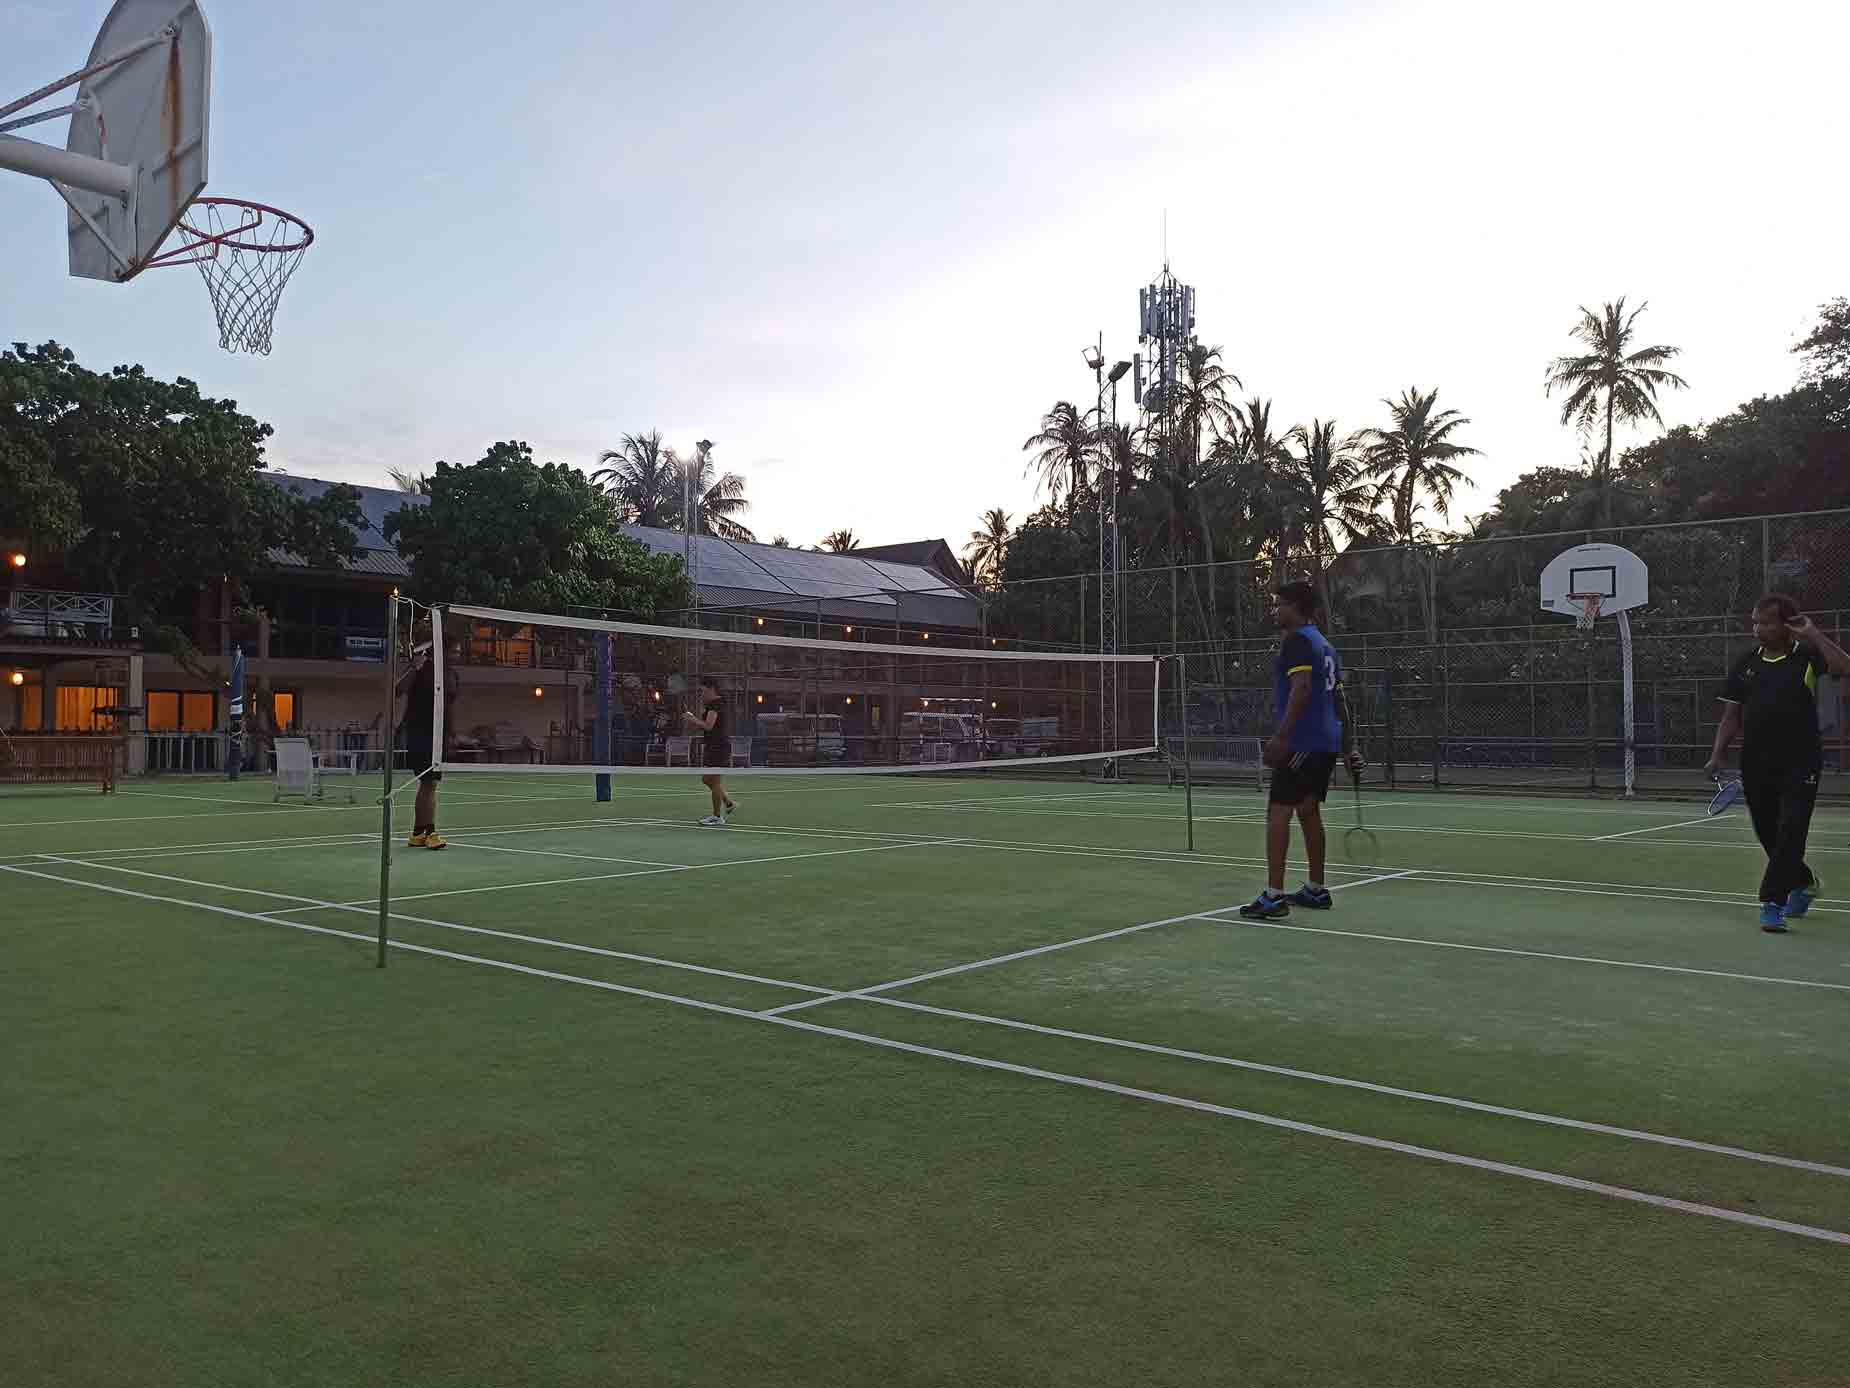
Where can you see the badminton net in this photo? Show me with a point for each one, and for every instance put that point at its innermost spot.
(543, 694)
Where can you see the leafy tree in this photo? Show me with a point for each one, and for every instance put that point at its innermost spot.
(719, 498)
(780, 542)
(642, 480)
(1329, 489)
(839, 541)
(1067, 451)
(1611, 379)
(987, 547)
(1412, 461)
(147, 489)
(508, 532)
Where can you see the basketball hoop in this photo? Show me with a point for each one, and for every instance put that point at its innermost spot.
(246, 253)
(1589, 608)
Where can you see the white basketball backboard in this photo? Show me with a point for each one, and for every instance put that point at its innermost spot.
(1618, 576)
(149, 113)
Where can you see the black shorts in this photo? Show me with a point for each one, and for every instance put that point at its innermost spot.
(419, 752)
(717, 752)
(1304, 776)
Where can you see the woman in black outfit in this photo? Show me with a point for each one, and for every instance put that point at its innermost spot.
(715, 725)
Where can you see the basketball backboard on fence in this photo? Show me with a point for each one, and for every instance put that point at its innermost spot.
(134, 164)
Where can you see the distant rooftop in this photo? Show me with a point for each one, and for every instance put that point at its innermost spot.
(883, 583)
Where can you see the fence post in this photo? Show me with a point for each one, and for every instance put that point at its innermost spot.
(1766, 555)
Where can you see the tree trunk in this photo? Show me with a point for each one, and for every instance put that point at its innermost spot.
(1605, 477)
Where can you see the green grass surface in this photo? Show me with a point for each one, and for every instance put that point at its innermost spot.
(235, 1152)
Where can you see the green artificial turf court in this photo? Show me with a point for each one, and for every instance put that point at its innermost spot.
(913, 1080)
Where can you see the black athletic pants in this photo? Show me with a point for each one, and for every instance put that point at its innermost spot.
(1780, 803)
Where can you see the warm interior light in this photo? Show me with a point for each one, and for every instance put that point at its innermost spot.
(851, 698)
(538, 693)
(761, 698)
(19, 561)
(18, 678)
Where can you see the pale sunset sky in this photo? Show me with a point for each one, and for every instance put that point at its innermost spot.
(861, 247)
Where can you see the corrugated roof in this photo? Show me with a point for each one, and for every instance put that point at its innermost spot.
(731, 573)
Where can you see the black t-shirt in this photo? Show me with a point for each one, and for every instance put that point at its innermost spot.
(421, 696)
(1778, 695)
(722, 721)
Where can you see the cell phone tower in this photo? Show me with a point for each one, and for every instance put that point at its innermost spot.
(1166, 332)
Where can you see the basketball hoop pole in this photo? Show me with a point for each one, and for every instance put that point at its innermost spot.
(1625, 663)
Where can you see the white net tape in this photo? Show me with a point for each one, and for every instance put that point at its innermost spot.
(534, 693)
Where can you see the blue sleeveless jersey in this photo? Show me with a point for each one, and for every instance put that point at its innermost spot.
(1317, 729)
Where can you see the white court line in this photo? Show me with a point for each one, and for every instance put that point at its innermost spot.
(1392, 1091)
(830, 995)
(1433, 1154)
(650, 872)
(1653, 828)
(456, 842)
(1528, 953)
(1456, 880)
(315, 903)
(985, 963)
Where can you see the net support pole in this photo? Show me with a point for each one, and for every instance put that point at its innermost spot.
(388, 737)
(1188, 761)
(601, 749)
(1625, 661)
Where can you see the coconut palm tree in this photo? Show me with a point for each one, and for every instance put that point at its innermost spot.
(1611, 380)
(840, 541)
(987, 548)
(643, 480)
(1067, 449)
(1411, 465)
(411, 483)
(1259, 467)
(718, 499)
(1327, 477)
(1412, 462)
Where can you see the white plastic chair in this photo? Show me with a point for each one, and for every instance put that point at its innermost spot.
(296, 771)
(679, 749)
(741, 752)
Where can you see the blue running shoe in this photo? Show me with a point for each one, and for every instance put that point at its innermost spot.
(1267, 906)
(1316, 898)
(1800, 901)
(1772, 917)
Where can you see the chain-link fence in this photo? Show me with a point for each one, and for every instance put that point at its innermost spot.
(1455, 675)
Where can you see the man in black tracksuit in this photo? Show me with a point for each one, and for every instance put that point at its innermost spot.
(1771, 700)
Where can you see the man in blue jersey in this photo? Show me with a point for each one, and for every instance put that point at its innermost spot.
(1313, 729)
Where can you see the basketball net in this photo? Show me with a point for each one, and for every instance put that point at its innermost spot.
(1589, 609)
(246, 253)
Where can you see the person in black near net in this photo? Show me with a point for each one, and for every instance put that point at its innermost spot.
(1771, 702)
(714, 722)
(416, 734)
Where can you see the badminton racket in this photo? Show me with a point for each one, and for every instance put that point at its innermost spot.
(1359, 842)
(1727, 791)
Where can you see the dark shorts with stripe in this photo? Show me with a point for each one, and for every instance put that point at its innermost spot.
(1304, 776)
(419, 751)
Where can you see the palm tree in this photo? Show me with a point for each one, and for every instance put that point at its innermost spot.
(1068, 448)
(1412, 463)
(1610, 380)
(988, 547)
(1259, 465)
(1331, 489)
(411, 483)
(718, 500)
(840, 541)
(643, 481)
(780, 542)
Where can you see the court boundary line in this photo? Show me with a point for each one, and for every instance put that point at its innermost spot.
(1438, 1155)
(1531, 953)
(1653, 828)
